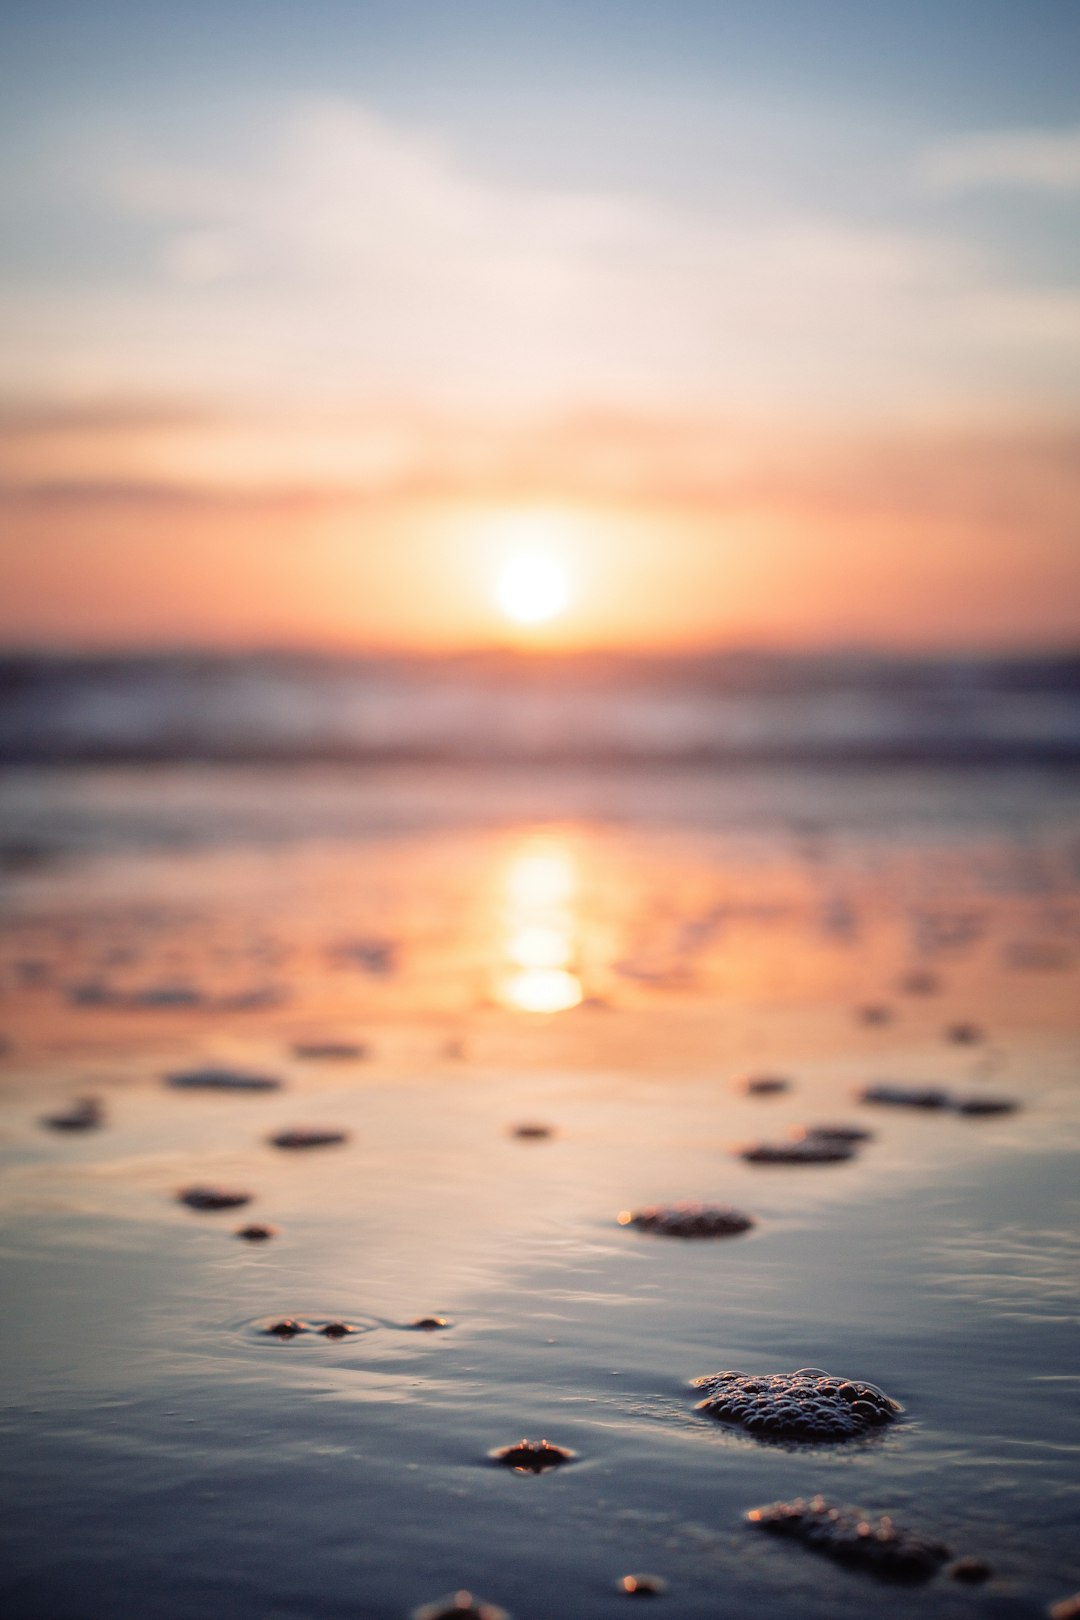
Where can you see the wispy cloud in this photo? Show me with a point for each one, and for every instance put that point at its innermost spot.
(1046, 160)
(355, 259)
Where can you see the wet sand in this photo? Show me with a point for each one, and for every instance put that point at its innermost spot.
(428, 964)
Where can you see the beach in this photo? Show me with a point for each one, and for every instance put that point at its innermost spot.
(428, 959)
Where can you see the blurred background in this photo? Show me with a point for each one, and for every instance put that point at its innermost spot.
(405, 380)
(540, 625)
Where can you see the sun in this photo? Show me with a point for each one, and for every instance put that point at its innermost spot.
(532, 588)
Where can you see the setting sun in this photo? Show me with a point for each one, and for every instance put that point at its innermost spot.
(532, 588)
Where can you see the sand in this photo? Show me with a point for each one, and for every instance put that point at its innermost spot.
(162, 1452)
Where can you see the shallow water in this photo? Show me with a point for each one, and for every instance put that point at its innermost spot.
(161, 1453)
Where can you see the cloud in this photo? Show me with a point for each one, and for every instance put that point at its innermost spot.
(342, 256)
(339, 260)
(1027, 160)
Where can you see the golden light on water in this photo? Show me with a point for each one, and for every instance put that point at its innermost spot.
(541, 878)
(543, 990)
(539, 933)
(539, 945)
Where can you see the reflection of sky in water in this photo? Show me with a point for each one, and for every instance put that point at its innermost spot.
(538, 929)
(165, 1435)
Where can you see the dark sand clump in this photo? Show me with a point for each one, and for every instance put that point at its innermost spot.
(832, 1133)
(215, 1079)
(850, 1536)
(763, 1085)
(964, 1034)
(804, 1405)
(874, 1014)
(213, 1197)
(459, 1606)
(920, 982)
(532, 1456)
(937, 1098)
(905, 1096)
(309, 1136)
(330, 1051)
(979, 1104)
(688, 1220)
(641, 1585)
(84, 1114)
(972, 1571)
(290, 1327)
(801, 1150)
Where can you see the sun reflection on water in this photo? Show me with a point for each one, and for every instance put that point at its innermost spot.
(539, 929)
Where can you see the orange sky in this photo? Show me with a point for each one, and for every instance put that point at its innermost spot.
(672, 532)
(305, 336)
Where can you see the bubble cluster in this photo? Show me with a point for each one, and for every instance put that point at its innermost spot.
(804, 1405)
(852, 1537)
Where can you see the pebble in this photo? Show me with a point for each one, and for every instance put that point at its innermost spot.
(532, 1131)
(459, 1606)
(641, 1585)
(256, 1233)
(850, 1536)
(308, 1136)
(213, 1198)
(805, 1405)
(214, 1079)
(337, 1330)
(430, 1324)
(804, 1150)
(688, 1220)
(287, 1328)
(532, 1456)
(85, 1114)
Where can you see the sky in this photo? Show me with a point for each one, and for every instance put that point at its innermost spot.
(760, 322)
